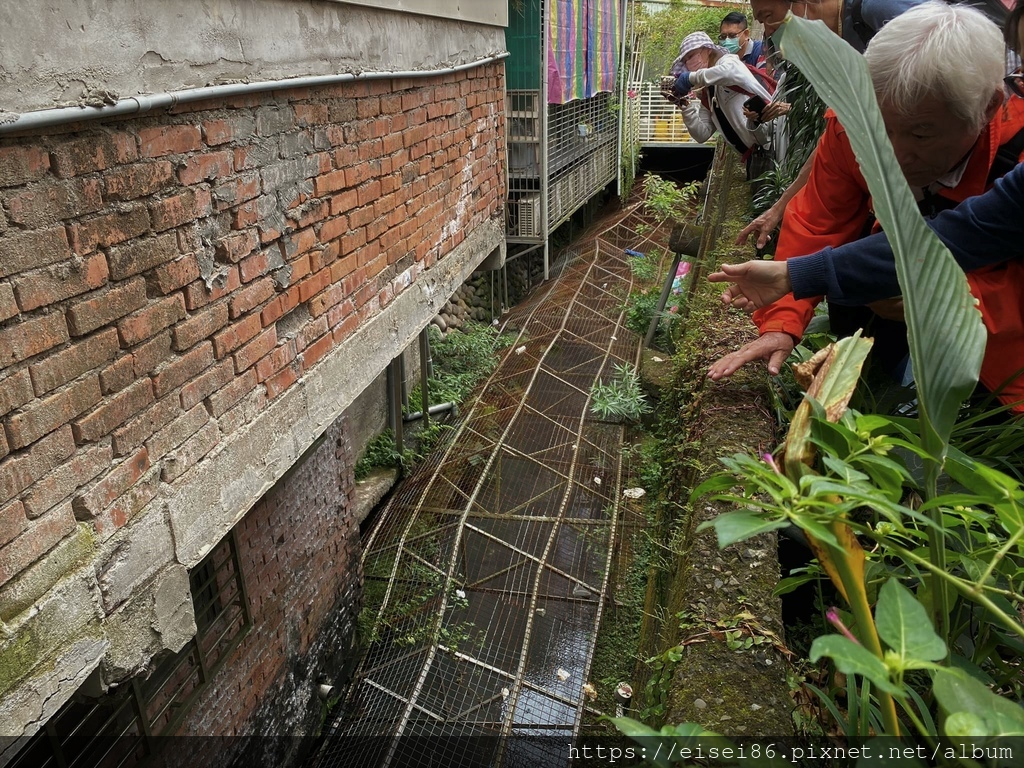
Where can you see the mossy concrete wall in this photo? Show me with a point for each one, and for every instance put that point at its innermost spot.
(739, 693)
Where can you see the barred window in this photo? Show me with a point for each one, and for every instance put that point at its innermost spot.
(119, 728)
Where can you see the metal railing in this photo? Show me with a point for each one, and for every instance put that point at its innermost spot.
(659, 123)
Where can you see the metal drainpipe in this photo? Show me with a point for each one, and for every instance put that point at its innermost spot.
(138, 105)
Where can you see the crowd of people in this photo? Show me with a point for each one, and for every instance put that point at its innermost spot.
(955, 118)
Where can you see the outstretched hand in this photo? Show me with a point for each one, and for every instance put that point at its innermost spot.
(774, 347)
(754, 284)
(762, 227)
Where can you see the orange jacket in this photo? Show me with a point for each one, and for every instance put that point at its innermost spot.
(834, 207)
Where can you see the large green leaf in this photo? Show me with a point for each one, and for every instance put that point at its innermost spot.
(853, 659)
(947, 338)
(975, 707)
(904, 626)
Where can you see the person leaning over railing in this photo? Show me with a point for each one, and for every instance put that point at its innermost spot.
(723, 84)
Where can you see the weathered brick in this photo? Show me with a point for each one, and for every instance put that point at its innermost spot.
(180, 209)
(203, 167)
(200, 326)
(234, 336)
(169, 140)
(4, 447)
(188, 454)
(199, 294)
(146, 357)
(21, 164)
(142, 255)
(229, 394)
(113, 484)
(244, 412)
(129, 437)
(114, 411)
(260, 263)
(251, 296)
(45, 415)
(30, 337)
(118, 375)
(77, 157)
(316, 351)
(41, 287)
(174, 274)
(232, 192)
(177, 432)
(105, 306)
(236, 128)
(280, 381)
(250, 354)
(127, 506)
(15, 390)
(273, 120)
(110, 228)
(30, 250)
(19, 472)
(186, 367)
(66, 479)
(206, 384)
(84, 355)
(12, 521)
(43, 205)
(148, 322)
(238, 245)
(281, 356)
(8, 305)
(35, 541)
(140, 180)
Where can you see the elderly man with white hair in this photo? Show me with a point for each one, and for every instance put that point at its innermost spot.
(937, 72)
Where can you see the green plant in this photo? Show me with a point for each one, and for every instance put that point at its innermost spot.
(620, 398)
(843, 482)
(645, 268)
(667, 200)
(380, 452)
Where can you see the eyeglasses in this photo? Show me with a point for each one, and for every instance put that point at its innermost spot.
(1015, 83)
(730, 35)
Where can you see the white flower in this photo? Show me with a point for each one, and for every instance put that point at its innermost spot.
(460, 593)
(597, 481)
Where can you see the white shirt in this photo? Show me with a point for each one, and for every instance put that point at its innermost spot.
(729, 70)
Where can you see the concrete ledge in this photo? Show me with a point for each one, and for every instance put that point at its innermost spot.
(209, 500)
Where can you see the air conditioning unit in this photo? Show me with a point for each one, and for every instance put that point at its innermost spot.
(524, 216)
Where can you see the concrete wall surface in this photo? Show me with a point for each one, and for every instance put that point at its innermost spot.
(74, 52)
(188, 301)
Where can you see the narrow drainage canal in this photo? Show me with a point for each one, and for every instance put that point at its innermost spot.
(489, 566)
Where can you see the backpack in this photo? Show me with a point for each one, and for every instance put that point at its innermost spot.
(994, 9)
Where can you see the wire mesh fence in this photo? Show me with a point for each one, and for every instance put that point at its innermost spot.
(487, 572)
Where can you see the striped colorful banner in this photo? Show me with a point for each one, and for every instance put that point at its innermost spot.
(583, 37)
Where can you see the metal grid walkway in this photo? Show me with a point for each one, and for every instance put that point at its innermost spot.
(490, 564)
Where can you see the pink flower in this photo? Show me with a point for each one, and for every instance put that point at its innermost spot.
(770, 461)
(631, 93)
(832, 614)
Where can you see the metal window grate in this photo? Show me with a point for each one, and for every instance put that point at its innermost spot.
(118, 728)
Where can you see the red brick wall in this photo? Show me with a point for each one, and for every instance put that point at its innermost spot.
(162, 279)
(299, 552)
